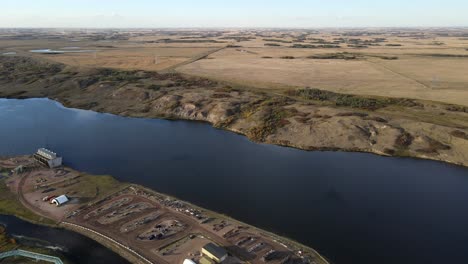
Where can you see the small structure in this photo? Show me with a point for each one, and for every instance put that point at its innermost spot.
(18, 170)
(189, 261)
(62, 199)
(48, 158)
(214, 252)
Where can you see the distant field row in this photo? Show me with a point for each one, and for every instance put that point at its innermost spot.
(416, 65)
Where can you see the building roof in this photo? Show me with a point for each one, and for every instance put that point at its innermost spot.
(215, 250)
(206, 260)
(61, 199)
(189, 261)
(47, 153)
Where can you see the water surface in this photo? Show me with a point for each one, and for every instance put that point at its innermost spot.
(75, 247)
(351, 207)
(61, 51)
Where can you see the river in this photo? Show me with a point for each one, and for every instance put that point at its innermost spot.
(75, 247)
(351, 207)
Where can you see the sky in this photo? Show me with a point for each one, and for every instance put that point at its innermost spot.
(234, 13)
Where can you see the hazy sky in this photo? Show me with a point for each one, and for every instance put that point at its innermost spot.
(233, 13)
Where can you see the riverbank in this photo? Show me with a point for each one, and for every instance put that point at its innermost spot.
(307, 119)
(134, 203)
(9, 243)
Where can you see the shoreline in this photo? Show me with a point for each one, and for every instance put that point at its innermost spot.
(306, 119)
(227, 129)
(126, 251)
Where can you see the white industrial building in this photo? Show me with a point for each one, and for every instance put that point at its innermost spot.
(48, 158)
(62, 199)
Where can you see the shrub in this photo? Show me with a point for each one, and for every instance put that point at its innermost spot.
(272, 44)
(334, 56)
(459, 134)
(154, 87)
(404, 140)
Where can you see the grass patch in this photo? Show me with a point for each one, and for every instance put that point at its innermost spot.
(439, 55)
(433, 146)
(118, 76)
(459, 134)
(10, 205)
(352, 101)
(334, 56)
(275, 117)
(97, 187)
(457, 108)
(310, 46)
(154, 87)
(277, 40)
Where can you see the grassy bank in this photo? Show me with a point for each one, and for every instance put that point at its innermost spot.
(10, 205)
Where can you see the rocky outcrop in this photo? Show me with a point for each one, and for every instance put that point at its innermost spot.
(413, 130)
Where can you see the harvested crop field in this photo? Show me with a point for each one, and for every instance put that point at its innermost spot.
(410, 76)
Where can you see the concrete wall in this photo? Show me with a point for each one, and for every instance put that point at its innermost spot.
(57, 162)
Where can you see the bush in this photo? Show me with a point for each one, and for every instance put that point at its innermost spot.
(309, 46)
(114, 75)
(404, 140)
(154, 87)
(334, 56)
(459, 134)
(353, 101)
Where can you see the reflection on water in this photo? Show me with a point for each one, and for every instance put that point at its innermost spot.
(352, 207)
(76, 248)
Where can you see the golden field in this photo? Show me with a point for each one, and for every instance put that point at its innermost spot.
(425, 64)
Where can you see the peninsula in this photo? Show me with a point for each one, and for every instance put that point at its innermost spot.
(141, 225)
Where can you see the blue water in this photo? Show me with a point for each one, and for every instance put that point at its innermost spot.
(351, 207)
(76, 248)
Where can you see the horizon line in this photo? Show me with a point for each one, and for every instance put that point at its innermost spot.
(246, 27)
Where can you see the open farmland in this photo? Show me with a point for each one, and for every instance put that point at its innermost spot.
(144, 58)
(408, 63)
(390, 92)
(433, 69)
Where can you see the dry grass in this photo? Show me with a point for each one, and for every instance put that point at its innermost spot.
(429, 66)
(413, 76)
(151, 59)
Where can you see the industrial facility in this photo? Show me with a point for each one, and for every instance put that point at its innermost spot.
(214, 252)
(48, 158)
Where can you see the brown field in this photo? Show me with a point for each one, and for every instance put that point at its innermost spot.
(431, 63)
(410, 76)
(151, 59)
